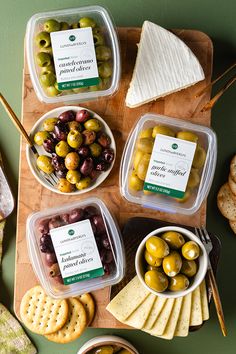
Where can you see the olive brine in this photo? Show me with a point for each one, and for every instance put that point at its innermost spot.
(44, 57)
(170, 262)
(91, 213)
(80, 149)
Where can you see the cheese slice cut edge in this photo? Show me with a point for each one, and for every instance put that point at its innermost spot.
(196, 308)
(164, 65)
(138, 318)
(182, 327)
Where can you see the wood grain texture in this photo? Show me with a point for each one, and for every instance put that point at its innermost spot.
(33, 197)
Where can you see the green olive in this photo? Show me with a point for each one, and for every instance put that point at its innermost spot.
(40, 137)
(47, 50)
(157, 247)
(84, 183)
(194, 179)
(124, 351)
(178, 283)
(74, 139)
(44, 164)
(64, 26)
(80, 89)
(145, 145)
(65, 186)
(75, 126)
(47, 79)
(49, 124)
(199, 157)
(147, 192)
(172, 264)
(174, 239)
(87, 22)
(97, 87)
(135, 183)
(153, 261)
(105, 69)
(189, 268)
(190, 250)
(93, 124)
(143, 166)
(43, 59)
(72, 160)
(186, 196)
(137, 158)
(52, 91)
(150, 267)
(98, 39)
(62, 148)
(146, 133)
(95, 149)
(105, 349)
(73, 176)
(163, 130)
(103, 53)
(156, 280)
(185, 135)
(51, 26)
(75, 25)
(43, 40)
(46, 69)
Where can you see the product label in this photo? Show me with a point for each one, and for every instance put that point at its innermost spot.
(169, 166)
(74, 58)
(77, 252)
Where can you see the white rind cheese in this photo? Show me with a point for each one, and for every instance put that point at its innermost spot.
(164, 65)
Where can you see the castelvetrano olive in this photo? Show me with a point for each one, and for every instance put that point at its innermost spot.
(103, 53)
(186, 135)
(51, 26)
(145, 145)
(174, 239)
(43, 59)
(163, 130)
(156, 280)
(43, 39)
(157, 247)
(178, 283)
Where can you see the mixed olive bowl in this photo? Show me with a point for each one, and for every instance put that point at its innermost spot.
(32, 161)
(194, 281)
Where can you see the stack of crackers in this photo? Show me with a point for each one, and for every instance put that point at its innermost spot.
(161, 317)
(226, 198)
(60, 321)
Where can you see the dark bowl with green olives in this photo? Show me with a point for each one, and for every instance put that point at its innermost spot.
(171, 262)
(73, 54)
(76, 145)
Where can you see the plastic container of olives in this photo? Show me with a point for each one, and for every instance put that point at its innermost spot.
(73, 54)
(75, 248)
(168, 164)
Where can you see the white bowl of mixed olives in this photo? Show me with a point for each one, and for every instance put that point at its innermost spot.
(76, 146)
(171, 262)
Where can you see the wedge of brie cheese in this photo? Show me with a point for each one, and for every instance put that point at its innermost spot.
(164, 65)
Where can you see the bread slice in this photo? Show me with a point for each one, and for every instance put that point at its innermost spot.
(164, 65)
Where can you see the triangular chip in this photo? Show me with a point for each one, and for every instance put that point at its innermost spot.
(164, 64)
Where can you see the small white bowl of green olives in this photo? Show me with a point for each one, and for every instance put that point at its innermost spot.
(75, 146)
(171, 262)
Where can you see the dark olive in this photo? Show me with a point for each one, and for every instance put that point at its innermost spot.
(43, 226)
(46, 245)
(49, 145)
(94, 175)
(67, 116)
(107, 269)
(104, 140)
(105, 242)
(99, 223)
(106, 256)
(54, 223)
(50, 259)
(76, 215)
(87, 166)
(65, 218)
(61, 130)
(89, 136)
(61, 173)
(107, 155)
(82, 115)
(75, 126)
(59, 279)
(83, 151)
(90, 211)
(58, 162)
(102, 166)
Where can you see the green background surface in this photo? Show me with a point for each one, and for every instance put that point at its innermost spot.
(217, 18)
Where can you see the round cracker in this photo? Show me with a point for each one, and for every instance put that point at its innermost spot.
(232, 185)
(233, 225)
(74, 326)
(226, 202)
(41, 313)
(233, 168)
(89, 305)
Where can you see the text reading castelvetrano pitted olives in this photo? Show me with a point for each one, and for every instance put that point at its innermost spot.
(109, 349)
(170, 261)
(142, 155)
(79, 152)
(44, 56)
(91, 213)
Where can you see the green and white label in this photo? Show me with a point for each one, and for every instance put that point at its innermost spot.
(74, 58)
(77, 252)
(169, 166)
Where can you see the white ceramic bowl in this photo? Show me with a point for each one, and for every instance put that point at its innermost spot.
(32, 161)
(202, 262)
(107, 340)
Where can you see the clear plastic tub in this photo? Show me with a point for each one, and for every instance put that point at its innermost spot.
(82, 251)
(78, 83)
(166, 197)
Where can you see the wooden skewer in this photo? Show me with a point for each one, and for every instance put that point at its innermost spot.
(212, 102)
(216, 297)
(17, 123)
(198, 94)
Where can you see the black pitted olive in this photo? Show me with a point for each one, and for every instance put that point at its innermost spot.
(49, 145)
(46, 245)
(76, 215)
(87, 166)
(61, 130)
(67, 116)
(83, 151)
(108, 155)
(99, 223)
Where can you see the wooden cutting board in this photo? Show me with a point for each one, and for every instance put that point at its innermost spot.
(33, 197)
